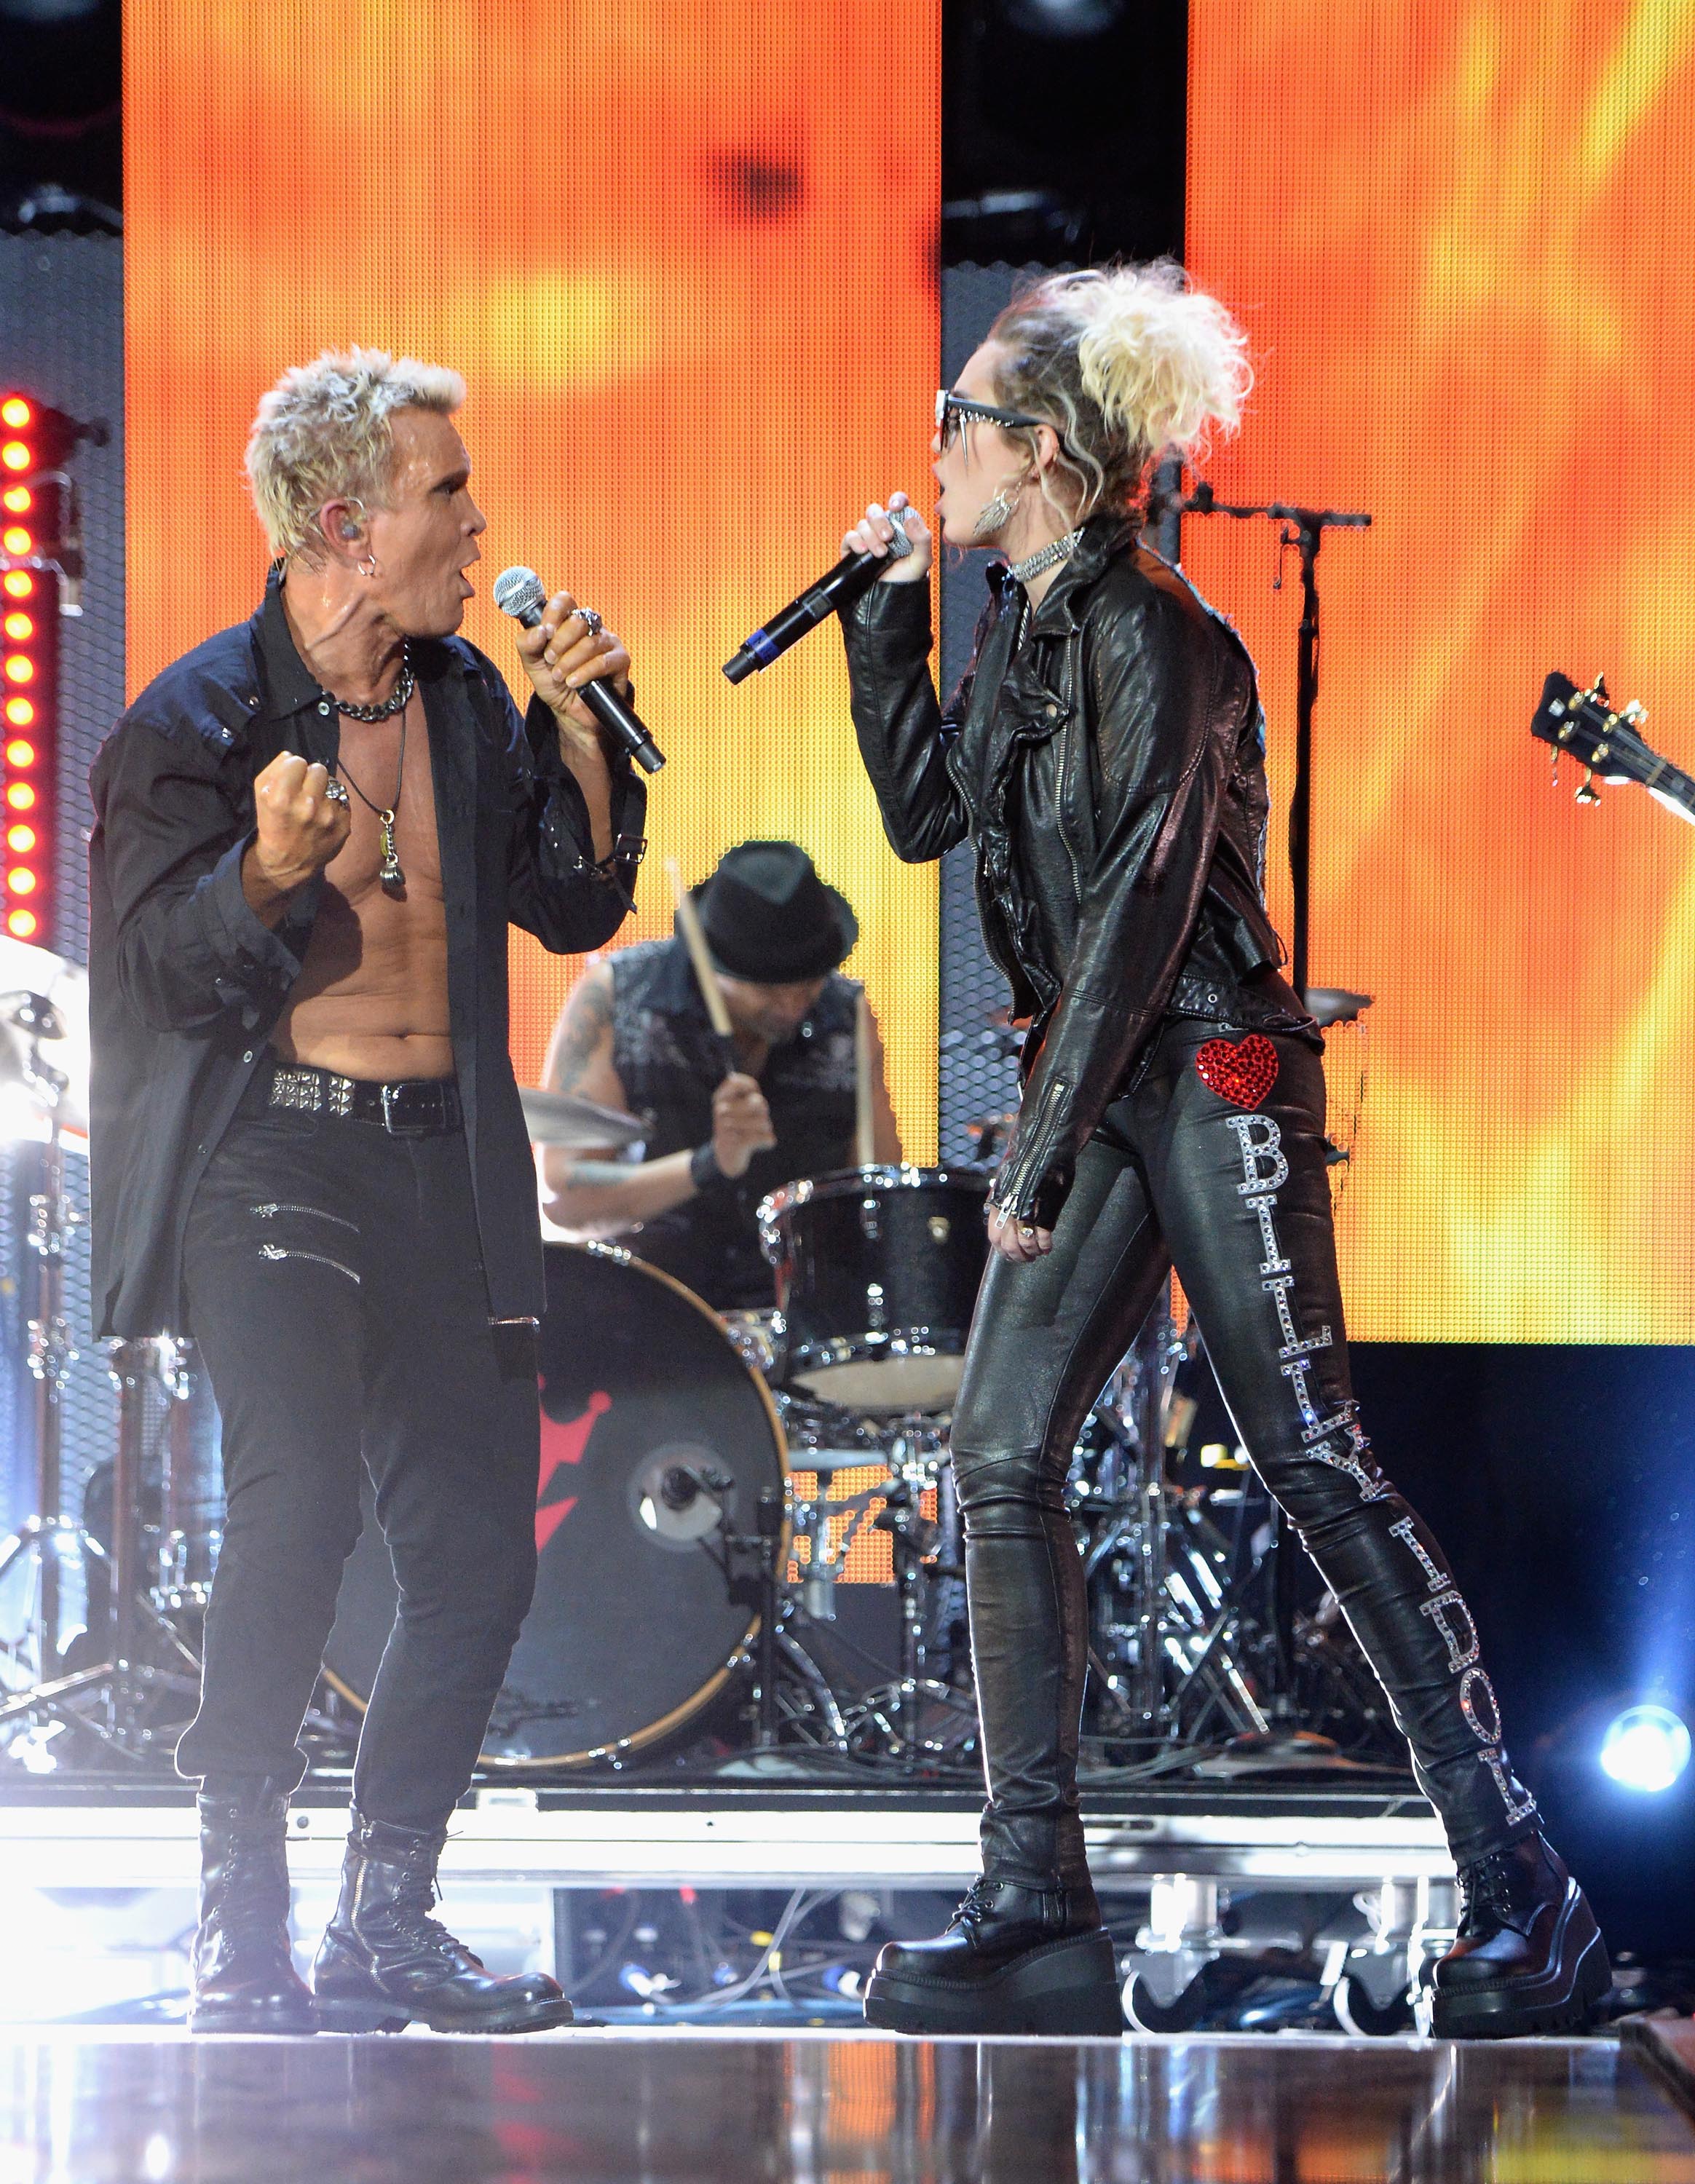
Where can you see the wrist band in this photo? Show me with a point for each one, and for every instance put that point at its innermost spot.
(704, 1170)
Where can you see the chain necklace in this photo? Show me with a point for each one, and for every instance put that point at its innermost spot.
(388, 872)
(1044, 557)
(397, 702)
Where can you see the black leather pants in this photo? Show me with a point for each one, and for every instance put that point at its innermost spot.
(1236, 1196)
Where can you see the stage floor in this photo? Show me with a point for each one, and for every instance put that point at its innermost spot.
(599, 2107)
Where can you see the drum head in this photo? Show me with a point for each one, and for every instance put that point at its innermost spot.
(646, 1409)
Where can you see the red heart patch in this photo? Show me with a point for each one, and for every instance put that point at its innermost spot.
(1243, 1075)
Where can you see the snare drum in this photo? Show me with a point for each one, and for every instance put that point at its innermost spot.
(877, 1272)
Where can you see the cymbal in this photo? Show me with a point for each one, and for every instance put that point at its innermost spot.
(29, 976)
(561, 1118)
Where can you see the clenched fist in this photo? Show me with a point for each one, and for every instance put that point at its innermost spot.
(741, 1123)
(299, 828)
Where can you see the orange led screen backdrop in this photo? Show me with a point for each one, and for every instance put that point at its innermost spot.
(1459, 235)
(690, 280)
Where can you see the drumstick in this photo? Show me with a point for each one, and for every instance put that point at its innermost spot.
(865, 1126)
(689, 918)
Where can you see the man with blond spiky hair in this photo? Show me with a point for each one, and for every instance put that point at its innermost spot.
(312, 833)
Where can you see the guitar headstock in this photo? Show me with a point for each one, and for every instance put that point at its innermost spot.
(1601, 737)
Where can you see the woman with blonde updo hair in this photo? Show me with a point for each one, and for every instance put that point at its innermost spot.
(1104, 755)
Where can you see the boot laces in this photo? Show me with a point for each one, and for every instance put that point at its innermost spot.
(1495, 1891)
(413, 1901)
(976, 1905)
(248, 1894)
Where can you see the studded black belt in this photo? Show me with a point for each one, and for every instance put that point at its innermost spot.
(413, 1107)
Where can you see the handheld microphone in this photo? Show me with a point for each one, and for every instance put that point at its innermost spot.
(520, 593)
(853, 575)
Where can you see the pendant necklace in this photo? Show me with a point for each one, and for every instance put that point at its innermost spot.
(388, 872)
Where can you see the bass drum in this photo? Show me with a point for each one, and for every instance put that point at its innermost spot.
(646, 1408)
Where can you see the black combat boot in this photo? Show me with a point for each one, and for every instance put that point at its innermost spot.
(244, 1979)
(385, 1962)
(1529, 1957)
(1011, 1960)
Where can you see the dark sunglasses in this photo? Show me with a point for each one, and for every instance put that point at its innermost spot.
(953, 410)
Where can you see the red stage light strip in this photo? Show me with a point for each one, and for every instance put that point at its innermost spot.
(28, 662)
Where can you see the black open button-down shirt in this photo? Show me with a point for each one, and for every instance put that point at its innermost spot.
(185, 983)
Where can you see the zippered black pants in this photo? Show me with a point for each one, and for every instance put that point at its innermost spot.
(1233, 1192)
(336, 1294)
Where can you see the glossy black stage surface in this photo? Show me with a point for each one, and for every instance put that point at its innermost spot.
(617, 2108)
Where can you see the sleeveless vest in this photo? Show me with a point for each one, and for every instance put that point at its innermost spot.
(670, 1061)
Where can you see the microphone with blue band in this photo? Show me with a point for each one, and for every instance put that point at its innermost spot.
(853, 575)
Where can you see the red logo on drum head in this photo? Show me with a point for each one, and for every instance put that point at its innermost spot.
(563, 1442)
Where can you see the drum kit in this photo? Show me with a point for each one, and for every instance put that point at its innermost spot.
(707, 1482)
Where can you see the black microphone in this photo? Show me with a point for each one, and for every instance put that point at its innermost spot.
(520, 593)
(853, 575)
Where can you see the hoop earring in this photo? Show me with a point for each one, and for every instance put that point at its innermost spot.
(367, 568)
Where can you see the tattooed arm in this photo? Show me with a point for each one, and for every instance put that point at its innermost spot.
(592, 1194)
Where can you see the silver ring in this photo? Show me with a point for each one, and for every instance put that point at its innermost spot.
(1027, 1228)
(591, 621)
(336, 793)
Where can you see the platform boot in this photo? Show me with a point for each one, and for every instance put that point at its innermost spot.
(1012, 1960)
(242, 1972)
(385, 1963)
(1529, 1957)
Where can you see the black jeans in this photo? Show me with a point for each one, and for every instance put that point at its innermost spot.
(1233, 1191)
(338, 1297)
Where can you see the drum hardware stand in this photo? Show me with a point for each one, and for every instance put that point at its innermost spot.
(1175, 1651)
(48, 1540)
(124, 1680)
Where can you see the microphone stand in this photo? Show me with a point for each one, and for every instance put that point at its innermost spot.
(1304, 529)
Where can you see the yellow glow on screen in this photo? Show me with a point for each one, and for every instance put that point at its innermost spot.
(684, 256)
(1458, 236)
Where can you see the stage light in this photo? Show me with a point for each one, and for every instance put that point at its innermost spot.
(16, 412)
(20, 796)
(22, 924)
(21, 880)
(19, 669)
(1646, 1748)
(21, 840)
(20, 584)
(17, 540)
(20, 712)
(20, 628)
(17, 500)
(15, 454)
(19, 752)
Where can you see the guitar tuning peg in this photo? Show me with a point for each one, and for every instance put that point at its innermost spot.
(1600, 686)
(1636, 713)
(1587, 793)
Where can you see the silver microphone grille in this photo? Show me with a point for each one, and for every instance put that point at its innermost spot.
(519, 592)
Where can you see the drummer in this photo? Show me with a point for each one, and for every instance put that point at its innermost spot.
(635, 1035)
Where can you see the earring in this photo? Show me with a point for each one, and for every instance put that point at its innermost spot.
(367, 568)
(995, 514)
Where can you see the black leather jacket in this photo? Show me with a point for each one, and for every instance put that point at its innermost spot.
(1110, 773)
